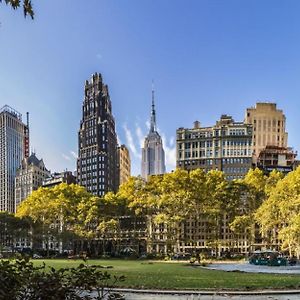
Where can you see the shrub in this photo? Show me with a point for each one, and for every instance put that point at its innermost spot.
(21, 280)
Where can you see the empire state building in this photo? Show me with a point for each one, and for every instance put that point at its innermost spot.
(153, 154)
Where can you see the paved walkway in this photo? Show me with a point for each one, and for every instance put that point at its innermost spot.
(208, 297)
(137, 294)
(246, 267)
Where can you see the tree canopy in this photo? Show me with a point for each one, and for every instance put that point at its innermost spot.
(25, 4)
(279, 214)
(170, 200)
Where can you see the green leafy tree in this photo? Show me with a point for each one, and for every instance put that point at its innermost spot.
(252, 196)
(218, 199)
(141, 199)
(174, 204)
(255, 182)
(271, 181)
(278, 216)
(133, 192)
(55, 210)
(12, 229)
(25, 4)
(73, 216)
(98, 219)
(198, 189)
(241, 226)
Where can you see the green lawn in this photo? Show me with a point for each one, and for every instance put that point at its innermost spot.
(161, 275)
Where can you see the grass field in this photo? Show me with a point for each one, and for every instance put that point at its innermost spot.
(162, 275)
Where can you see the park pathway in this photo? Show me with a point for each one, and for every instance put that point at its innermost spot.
(132, 294)
(248, 268)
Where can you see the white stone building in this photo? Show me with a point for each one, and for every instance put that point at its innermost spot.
(29, 177)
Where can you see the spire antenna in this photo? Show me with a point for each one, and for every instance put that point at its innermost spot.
(153, 114)
(152, 93)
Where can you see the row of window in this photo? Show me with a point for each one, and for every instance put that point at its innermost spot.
(92, 167)
(92, 160)
(216, 153)
(238, 170)
(237, 160)
(209, 162)
(94, 174)
(210, 144)
(215, 133)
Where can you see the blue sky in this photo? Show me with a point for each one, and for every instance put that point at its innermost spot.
(206, 58)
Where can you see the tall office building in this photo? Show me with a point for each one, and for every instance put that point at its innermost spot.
(29, 177)
(97, 140)
(153, 154)
(268, 126)
(14, 146)
(123, 164)
(226, 146)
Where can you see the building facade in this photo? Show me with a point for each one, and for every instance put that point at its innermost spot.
(14, 144)
(153, 154)
(276, 158)
(268, 126)
(123, 164)
(226, 146)
(58, 178)
(29, 177)
(97, 140)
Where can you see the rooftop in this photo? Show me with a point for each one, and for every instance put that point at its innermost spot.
(11, 111)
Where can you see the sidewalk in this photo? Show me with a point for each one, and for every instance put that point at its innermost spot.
(209, 292)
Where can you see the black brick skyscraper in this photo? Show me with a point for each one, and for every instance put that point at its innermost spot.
(97, 154)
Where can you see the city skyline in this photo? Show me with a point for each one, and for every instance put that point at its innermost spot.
(221, 59)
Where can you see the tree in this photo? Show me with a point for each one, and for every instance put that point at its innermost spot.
(252, 196)
(278, 216)
(198, 191)
(290, 236)
(171, 202)
(56, 210)
(164, 201)
(241, 226)
(221, 197)
(134, 194)
(98, 220)
(12, 229)
(174, 204)
(271, 181)
(255, 182)
(73, 216)
(26, 4)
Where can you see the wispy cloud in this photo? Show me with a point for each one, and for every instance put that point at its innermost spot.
(140, 135)
(172, 141)
(170, 152)
(135, 141)
(130, 142)
(74, 155)
(119, 140)
(148, 124)
(66, 157)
